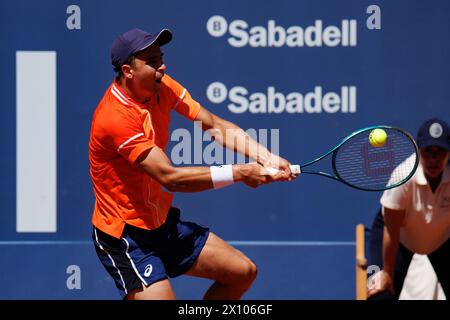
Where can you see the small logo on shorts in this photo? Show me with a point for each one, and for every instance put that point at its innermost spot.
(148, 270)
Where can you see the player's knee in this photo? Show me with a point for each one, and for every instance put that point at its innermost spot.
(248, 273)
(253, 271)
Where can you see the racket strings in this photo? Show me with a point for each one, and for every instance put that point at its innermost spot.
(360, 164)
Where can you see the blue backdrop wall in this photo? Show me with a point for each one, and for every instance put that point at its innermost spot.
(348, 65)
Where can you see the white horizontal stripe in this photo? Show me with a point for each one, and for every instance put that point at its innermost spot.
(181, 98)
(129, 140)
(234, 243)
(43, 243)
(292, 243)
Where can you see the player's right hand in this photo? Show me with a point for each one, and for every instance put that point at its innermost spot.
(252, 174)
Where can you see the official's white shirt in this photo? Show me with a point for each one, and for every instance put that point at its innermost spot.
(427, 220)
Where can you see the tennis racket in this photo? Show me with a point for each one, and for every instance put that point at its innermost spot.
(358, 164)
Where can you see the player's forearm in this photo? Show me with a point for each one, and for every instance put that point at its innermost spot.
(234, 138)
(391, 237)
(187, 179)
(194, 179)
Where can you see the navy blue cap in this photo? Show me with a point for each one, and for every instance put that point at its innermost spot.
(134, 41)
(434, 132)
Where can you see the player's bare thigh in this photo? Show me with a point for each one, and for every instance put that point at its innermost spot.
(161, 290)
(222, 262)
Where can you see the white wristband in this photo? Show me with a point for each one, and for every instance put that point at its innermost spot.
(222, 176)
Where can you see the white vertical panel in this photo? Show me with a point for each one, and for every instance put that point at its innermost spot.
(36, 141)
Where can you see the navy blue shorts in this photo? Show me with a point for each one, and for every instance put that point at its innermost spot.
(146, 256)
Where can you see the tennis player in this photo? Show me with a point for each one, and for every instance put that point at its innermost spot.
(138, 235)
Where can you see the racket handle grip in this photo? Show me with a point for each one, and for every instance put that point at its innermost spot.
(295, 169)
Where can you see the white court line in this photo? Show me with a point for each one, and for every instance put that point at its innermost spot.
(292, 243)
(233, 243)
(7, 243)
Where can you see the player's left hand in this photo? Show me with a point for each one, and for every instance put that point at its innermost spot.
(274, 161)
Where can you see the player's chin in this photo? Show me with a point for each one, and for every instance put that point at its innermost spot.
(433, 172)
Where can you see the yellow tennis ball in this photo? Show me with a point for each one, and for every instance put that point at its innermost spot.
(377, 138)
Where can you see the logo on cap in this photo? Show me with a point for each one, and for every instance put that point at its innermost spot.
(436, 130)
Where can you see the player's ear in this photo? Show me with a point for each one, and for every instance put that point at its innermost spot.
(127, 71)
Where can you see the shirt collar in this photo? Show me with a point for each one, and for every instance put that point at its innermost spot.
(123, 97)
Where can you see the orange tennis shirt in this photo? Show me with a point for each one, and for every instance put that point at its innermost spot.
(122, 129)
